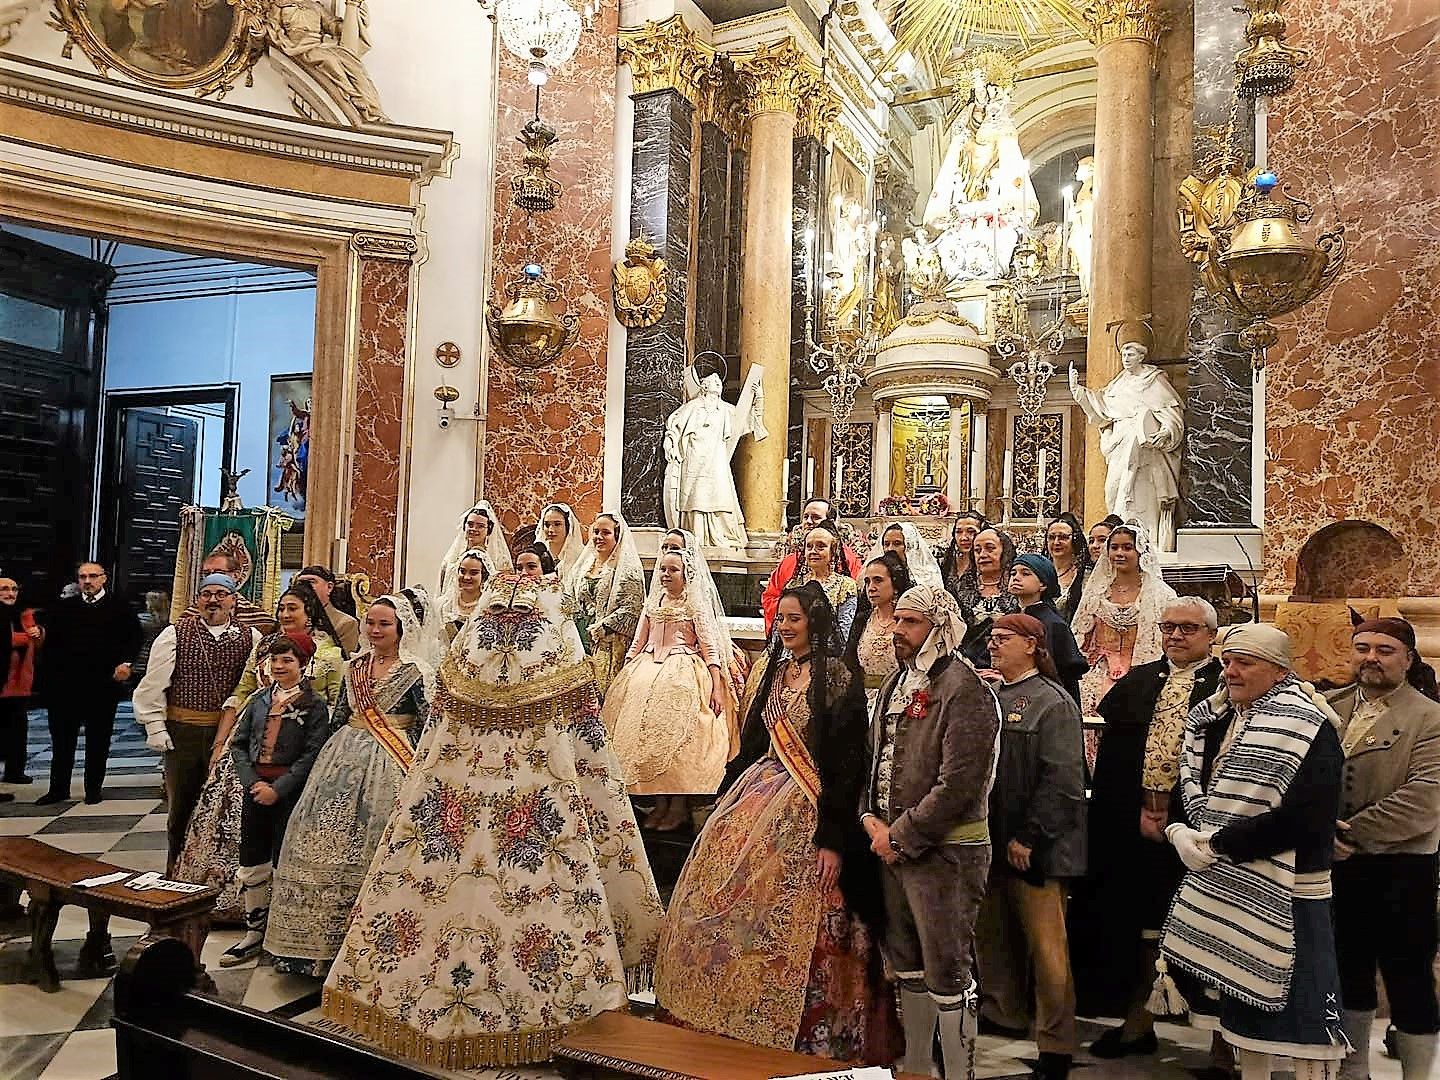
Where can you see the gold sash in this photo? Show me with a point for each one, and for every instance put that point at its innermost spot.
(362, 695)
(794, 755)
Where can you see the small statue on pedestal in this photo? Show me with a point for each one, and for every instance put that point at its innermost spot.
(1142, 425)
(700, 438)
(229, 491)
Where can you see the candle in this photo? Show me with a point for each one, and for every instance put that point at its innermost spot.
(785, 482)
(809, 476)
(1008, 474)
(839, 475)
(1040, 489)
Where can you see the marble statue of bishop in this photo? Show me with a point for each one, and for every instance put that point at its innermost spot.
(700, 438)
(1142, 426)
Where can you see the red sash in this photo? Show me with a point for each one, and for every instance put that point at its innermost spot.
(363, 693)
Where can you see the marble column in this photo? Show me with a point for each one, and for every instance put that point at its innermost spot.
(774, 80)
(1126, 34)
(655, 355)
(957, 450)
(882, 451)
(806, 216)
(712, 242)
(1216, 468)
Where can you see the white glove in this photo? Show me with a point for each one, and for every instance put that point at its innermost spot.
(1191, 845)
(157, 738)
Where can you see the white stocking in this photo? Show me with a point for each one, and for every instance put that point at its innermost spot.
(1254, 1065)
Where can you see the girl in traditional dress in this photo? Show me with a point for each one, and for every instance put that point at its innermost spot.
(1070, 555)
(609, 592)
(1097, 537)
(738, 666)
(904, 539)
(670, 713)
(559, 530)
(479, 531)
(351, 791)
(536, 563)
(1118, 622)
(769, 938)
(510, 896)
(871, 648)
(211, 852)
(457, 601)
(957, 569)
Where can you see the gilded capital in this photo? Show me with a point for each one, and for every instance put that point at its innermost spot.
(667, 56)
(1117, 20)
(818, 111)
(780, 78)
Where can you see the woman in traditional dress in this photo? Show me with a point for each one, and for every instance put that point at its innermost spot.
(669, 714)
(1070, 555)
(339, 819)
(1098, 536)
(904, 539)
(957, 568)
(871, 648)
(823, 562)
(1118, 622)
(770, 934)
(560, 531)
(609, 592)
(510, 896)
(738, 666)
(211, 851)
(536, 563)
(479, 531)
(457, 601)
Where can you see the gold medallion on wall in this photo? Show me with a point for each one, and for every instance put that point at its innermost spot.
(204, 45)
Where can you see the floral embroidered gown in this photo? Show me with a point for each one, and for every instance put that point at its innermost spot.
(751, 948)
(510, 896)
(657, 713)
(337, 824)
(211, 853)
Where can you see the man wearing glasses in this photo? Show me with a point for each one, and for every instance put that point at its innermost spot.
(1133, 873)
(194, 665)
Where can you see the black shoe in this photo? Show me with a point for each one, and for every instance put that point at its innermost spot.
(51, 797)
(21, 779)
(91, 800)
(5, 796)
(1113, 1044)
(1052, 1066)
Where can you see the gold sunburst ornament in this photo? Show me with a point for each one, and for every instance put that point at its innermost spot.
(932, 30)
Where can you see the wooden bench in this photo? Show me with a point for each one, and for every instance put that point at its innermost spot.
(49, 875)
(616, 1044)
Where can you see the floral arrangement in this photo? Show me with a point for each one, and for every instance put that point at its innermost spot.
(935, 505)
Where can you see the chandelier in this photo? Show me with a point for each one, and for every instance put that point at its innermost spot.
(842, 352)
(543, 33)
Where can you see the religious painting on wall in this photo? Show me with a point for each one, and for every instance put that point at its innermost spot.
(204, 44)
(289, 443)
(847, 234)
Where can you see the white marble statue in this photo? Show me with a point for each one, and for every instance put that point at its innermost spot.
(329, 47)
(983, 201)
(1080, 244)
(1142, 425)
(923, 267)
(700, 438)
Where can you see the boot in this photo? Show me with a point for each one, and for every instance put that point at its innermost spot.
(1416, 1054)
(958, 1031)
(918, 1014)
(255, 898)
(1356, 1025)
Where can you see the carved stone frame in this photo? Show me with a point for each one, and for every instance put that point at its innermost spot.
(245, 45)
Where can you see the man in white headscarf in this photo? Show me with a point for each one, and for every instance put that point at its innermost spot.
(934, 742)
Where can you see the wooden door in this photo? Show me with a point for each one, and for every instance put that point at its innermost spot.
(155, 479)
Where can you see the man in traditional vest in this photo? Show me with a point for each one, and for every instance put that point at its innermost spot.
(194, 665)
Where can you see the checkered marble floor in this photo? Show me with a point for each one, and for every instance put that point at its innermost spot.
(67, 1035)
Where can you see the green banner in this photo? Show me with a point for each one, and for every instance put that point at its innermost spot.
(238, 536)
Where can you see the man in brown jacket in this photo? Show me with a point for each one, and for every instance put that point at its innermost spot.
(1385, 847)
(934, 737)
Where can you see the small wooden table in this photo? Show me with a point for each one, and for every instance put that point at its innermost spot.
(49, 875)
(616, 1044)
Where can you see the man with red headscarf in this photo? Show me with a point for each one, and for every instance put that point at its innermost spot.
(1385, 846)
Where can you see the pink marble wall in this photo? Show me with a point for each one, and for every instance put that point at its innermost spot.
(379, 411)
(550, 448)
(1353, 388)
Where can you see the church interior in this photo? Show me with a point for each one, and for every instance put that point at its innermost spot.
(342, 269)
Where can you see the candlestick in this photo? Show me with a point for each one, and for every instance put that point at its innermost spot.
(1040, 490)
